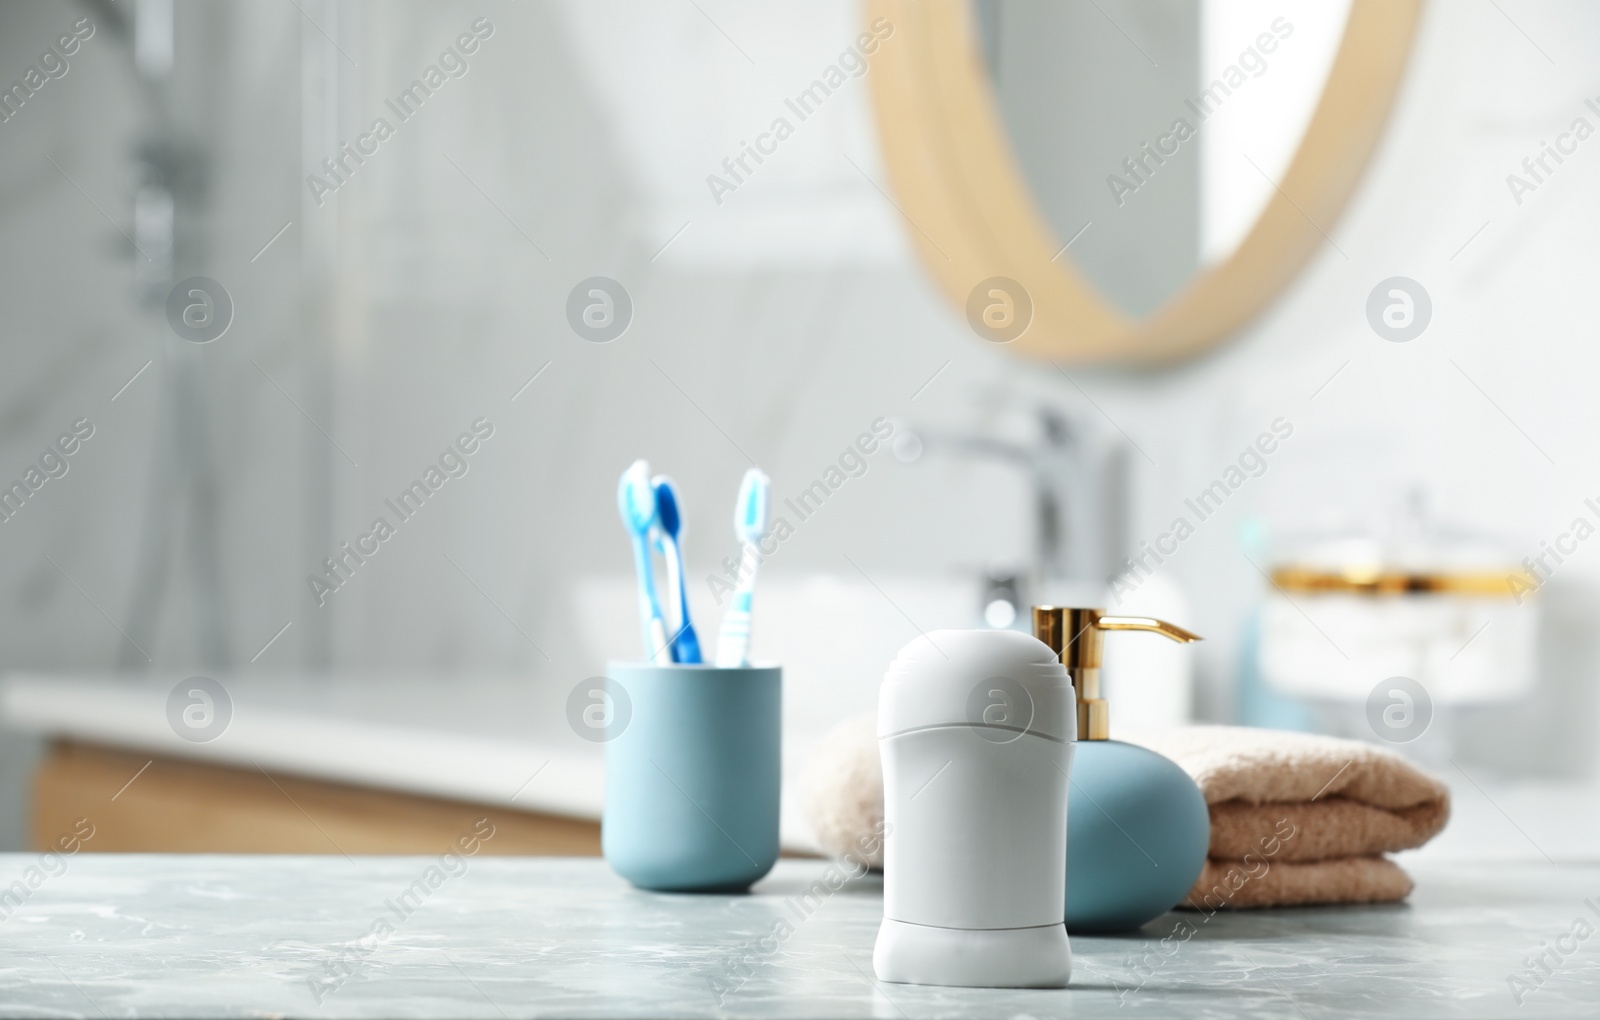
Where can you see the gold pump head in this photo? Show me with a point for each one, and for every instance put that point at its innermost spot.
(1074, 634)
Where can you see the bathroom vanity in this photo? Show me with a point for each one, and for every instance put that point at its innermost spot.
(305, 764)
(385, 764)
(123, 935)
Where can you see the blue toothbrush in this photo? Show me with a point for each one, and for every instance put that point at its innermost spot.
(636, 500)
(749, 527)
(685, 643)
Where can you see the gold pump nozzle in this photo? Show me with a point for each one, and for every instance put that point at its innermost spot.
(1074, 634)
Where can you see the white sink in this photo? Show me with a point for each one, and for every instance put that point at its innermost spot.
(833, 635)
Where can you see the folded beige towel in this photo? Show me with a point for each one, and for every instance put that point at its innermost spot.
(1342, 804)
(1295, 818)
(1256, 765)
(1290, 883)
(1327, 827)
(841, 791)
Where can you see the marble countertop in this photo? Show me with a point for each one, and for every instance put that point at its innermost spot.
(157, 935)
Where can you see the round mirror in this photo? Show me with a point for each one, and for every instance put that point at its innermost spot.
(1129, 180)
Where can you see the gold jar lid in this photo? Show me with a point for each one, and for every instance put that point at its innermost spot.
(1389, 581)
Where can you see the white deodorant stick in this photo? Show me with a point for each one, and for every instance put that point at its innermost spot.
(976, 729)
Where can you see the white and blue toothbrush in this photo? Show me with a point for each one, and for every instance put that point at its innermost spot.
(636, 501)
(749, 527)
(685, 643)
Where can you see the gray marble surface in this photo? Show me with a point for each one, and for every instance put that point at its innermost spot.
(157, 935)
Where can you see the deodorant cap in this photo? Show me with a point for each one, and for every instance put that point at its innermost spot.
(994, 679)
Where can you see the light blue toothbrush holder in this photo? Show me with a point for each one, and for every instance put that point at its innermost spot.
(693, 777)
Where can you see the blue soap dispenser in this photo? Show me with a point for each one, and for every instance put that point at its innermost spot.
(1137, 825)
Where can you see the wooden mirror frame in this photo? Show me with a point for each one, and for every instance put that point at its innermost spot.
(971, 214)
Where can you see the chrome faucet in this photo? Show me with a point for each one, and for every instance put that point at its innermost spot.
(1079, 481)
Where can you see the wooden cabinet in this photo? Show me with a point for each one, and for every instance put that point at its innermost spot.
(136, 803)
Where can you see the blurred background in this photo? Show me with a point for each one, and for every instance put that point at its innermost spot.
(387, 291)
